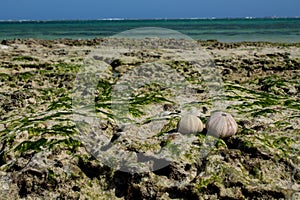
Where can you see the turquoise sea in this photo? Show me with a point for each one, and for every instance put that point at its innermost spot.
(226, 30)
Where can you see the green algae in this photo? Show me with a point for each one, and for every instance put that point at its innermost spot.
(281, 146)
(281, 124)
(71, 144)
(220, 144)
(61, 130)
(51, 178)
(171, 125)
(174, 149)
(293, 104)
(268, 135)
(64, 102)
(262, 112)
(44, 143)
(25, 58)
(105, 91)
(26, 75)
(32, 145)
(260, 103)
(29, 122)
(213, 175)
(136, 104)
(5, 77)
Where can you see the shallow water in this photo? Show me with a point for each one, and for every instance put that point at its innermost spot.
(225, 30)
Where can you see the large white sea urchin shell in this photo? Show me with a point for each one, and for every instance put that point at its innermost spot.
(221, 124)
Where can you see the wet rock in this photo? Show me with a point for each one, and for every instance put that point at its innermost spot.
(147, 190)
(4, 42)
(2, 127)
(32, 101)
(42, 152)
(93, 168)
(176, 171)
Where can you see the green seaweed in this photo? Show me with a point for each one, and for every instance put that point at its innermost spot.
(26, 75)
(203, 183)
(220, 144)
(55, 130)
(69, 143)
(135, 111)
(174, 149)
(259, 94)
(292, 104)
(282, 145)
(107, 113)
(32, 145)
(171, 125)
(284, 141)
(105, 91)
(262, 112)
(24, 58)
(64, 102)
(271, 81)
(63, 130)
(44, 117)
(34, 131)
(281, 124)
(5, 77)
(51, 177)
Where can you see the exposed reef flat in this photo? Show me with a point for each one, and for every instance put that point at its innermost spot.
(43, 156)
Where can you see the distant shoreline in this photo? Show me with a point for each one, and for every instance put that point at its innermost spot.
(146, 19)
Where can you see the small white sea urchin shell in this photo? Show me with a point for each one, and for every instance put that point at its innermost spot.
(189, 124)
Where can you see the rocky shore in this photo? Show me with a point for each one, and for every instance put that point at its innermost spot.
(43, 154)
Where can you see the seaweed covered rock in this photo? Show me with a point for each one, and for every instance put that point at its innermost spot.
(43, 153)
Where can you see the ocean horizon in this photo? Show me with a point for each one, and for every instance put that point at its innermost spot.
(269, 29)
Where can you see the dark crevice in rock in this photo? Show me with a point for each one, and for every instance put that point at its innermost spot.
(262, 194)
(165, 171)
(237, 143)
(230, 184)
(2, 153)
(138, 192)
(23, 192)
(92, 168)
(121, 181)
(76, 188)
(212, 189)
(229, 198)
(34, 181)
(129, 186)
(185, 193)
(173, 171)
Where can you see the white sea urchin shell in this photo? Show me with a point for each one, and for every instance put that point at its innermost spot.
(189, 124)
(221, 124)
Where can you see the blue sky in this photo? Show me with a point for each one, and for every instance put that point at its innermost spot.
(97, 9)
